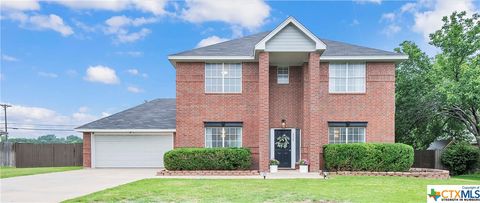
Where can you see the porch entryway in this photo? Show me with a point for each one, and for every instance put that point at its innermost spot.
(285, 146)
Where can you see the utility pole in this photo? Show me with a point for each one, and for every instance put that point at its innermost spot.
(5, 106)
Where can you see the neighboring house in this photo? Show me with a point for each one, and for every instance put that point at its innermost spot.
(258, 92)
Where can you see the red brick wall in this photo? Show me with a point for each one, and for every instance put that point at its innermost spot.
(87, 150)
(263, 110)
(376, 106)
(286, 100)
(194, 106)
(305, 103)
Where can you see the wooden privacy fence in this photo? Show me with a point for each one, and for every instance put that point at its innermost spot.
(7, 154)
(428, 159)
(46, 155)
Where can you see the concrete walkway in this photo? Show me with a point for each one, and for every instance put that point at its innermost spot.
(55, 187)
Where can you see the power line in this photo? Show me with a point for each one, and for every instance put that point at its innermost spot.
(44, 129)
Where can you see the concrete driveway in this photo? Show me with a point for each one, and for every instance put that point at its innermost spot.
(55, 187)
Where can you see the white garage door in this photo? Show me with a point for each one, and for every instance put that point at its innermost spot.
(132, 150)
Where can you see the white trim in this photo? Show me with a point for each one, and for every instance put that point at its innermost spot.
(293, 154)
(211, 58)
(126, 130)
(288, 75)
(319, 45)
(92, 150)
(386, 57)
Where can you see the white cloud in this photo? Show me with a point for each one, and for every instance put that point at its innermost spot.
(134, 89)
(391, 29)
(52, 22)
(211, 40)
(155, 7)
(19, 5)
(430, 19)
(47, 74)
(105, 114)
(41, 22)
(136, 72)
(118, 26)
(130, 53)
(368, 1)
(101, 74)
(33, 117)
(9, 58)
(389, 17)
(133, 71)
(408, 7)
(249, 14)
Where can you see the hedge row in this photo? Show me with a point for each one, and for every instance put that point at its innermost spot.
(368, 157)
(208, 159)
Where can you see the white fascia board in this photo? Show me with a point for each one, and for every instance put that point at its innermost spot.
(373, 58)
(179, 58)
(174, 59)
(319, 45)
(126, 130)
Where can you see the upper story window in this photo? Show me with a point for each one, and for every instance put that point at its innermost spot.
(346, 77)
(282, 75)
(223, 78)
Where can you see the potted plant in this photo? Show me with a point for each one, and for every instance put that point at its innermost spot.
(303, 166)
(274, 165)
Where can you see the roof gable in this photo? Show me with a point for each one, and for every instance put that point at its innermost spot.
(289, 23)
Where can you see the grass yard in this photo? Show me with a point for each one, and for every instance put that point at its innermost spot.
(8, 172)
(339, 188)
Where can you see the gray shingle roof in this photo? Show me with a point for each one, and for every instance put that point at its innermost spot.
(155, 114)
(244, 47)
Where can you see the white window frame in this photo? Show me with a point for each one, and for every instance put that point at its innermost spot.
(223, 137)
(332, 90)
(223, 79)
(288, 75)
(346, 135)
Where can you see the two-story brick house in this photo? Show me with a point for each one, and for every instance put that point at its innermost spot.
(283, 94)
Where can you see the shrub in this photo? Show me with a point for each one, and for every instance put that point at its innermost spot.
(274, 162)
(460, 158)
(208, 159)
(368, 157)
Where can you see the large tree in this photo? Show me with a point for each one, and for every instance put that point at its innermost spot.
(456, 71)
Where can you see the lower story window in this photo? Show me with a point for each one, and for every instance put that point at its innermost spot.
(224, 135)
(346, 135)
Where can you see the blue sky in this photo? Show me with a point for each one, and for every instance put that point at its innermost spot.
(65, 63)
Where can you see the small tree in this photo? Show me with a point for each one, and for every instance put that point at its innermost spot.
(456, 72)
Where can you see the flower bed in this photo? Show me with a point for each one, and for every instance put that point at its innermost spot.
(413, 172)
(209, 173)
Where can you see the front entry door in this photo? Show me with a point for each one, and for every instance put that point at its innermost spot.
(283, 147)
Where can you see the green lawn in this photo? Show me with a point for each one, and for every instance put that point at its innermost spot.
(7, 172)
(339, 188)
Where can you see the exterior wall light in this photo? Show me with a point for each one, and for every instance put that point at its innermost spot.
(284, 123)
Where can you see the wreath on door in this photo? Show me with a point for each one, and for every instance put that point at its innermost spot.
(282, 141)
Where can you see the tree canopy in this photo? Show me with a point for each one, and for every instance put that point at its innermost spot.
(440, 96)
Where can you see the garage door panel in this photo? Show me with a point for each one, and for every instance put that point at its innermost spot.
(131, 150)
